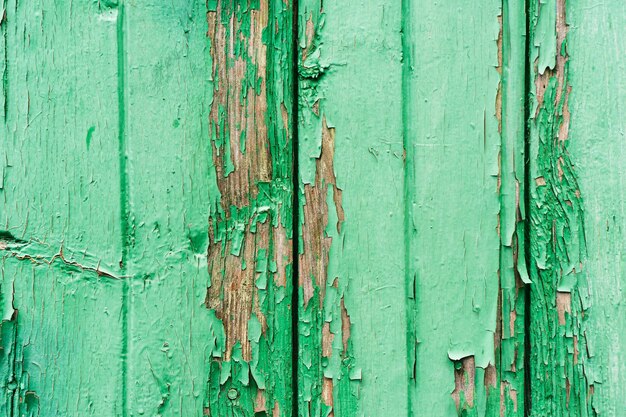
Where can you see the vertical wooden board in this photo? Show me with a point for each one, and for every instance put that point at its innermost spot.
(457, 208)
(60, 279)
(560, 343)
(61, 283)
(577, 127)
(208, 103)
(351, 330)
(597, 104)
(167, 96)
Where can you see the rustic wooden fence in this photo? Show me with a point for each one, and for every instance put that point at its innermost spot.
(312, 208)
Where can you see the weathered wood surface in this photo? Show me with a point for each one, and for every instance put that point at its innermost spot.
(577, 217)
(61, 286)
(418, 184)
(351, 328)
(147, 208)
(452, 237)
(209, 150)
(597, 75)
(462, 189)
(478, 338)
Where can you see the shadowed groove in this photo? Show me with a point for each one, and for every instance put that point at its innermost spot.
(124, 204)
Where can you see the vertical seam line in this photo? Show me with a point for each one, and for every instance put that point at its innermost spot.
(295, 174)
(527, 222)
(124, 205)
(408, 179)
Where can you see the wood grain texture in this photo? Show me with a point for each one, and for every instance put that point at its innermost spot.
(576, 210)
(209, 167)
(457, 216)
(146, 188)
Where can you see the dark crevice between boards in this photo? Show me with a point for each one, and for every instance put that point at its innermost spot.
(295, 249)
(527, 222)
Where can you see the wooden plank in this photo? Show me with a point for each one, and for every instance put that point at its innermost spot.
(559, 294)
(352, 343)
(167, 69)
(384, 123)
(464, 89)
(577, 122)
(61, 283)
(596, 126)
(208, 104)
(597, 103)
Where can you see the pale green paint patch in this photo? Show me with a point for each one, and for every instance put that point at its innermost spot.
(595, 46)
(453, 164)
(59, 210)
(170, 333)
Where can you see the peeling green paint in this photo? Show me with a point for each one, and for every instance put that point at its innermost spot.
(251, 226)
(139, 274)
(513, 275)
(350, 160)
(59, 210)
(460, 186)
(560, 298)
(596, 128)
(147, 208)
(418, 139)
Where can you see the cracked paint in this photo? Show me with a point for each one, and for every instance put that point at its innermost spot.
(327, 376)
(147, 208)
(560, 298)
(250, 229)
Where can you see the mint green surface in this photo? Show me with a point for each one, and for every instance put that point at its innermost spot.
(459, 187)
(109, 187)
(413, 92)
(61, 287)
(596, 103)
(451, 243)
(577, 303)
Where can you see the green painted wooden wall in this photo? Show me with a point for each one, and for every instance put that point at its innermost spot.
(312, 208)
